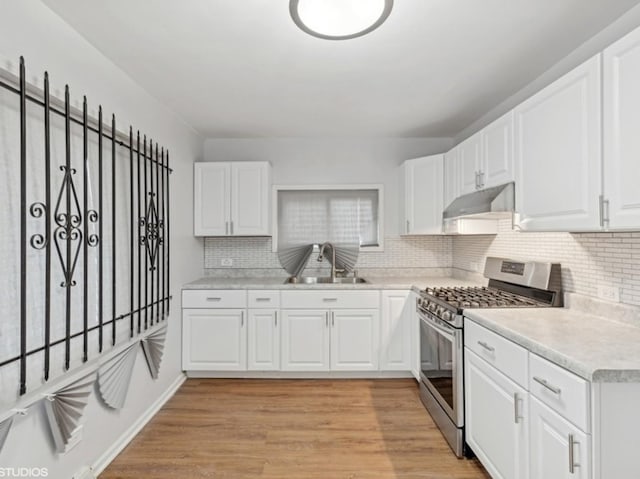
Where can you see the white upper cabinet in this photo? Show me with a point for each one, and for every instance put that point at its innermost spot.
(621, 139)
(424, 195)
(451, 184)
(232, 198)
(497, 152)
(481, 161)
(557, 153)
(469, 164)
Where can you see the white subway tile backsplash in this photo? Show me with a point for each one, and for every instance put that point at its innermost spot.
(587, 259)
(400, 252)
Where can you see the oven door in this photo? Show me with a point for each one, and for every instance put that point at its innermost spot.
(441, 364)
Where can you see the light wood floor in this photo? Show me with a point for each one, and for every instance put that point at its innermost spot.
(356, 429)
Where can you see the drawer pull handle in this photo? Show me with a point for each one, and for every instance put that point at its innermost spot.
(572, 463)
(263, 299)
(486, 346)
(329, 300)
(214, 299)
(516, 412)
(545, 383)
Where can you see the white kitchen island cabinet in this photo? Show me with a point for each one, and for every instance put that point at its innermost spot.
(424, 195)
(232, 198)
(558, 158)
(621, 147)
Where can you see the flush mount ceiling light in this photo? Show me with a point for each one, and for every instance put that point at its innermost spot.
(339, 19)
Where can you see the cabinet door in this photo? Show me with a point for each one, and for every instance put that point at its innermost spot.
(214, 339)
(305, 340)
(395, 331)
(354, 339)
(250, 194)
(451, 181)
(554, 442)
(469, 152)
(558, 157)
(621, 138)
(496, 420)
(211, 190)
(497, 152)
(263, 340)
(415, 335)
(424, 195)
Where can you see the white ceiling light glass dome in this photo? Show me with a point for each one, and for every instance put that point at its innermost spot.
(339, 19)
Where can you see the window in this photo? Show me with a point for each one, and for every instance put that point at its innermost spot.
(307, 215)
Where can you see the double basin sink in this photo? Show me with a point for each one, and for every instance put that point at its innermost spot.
(324, 280)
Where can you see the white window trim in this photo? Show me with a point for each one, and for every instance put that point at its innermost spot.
(379, 187)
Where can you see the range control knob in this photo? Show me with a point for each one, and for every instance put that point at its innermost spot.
(446, 315)
(432, 306)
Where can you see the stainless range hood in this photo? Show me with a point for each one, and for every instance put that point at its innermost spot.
(479, 212)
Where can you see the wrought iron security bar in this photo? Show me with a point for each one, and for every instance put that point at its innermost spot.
(87, 229)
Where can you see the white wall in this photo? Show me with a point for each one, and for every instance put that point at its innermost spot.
(326, 161)
(623, 25)
(29, 28)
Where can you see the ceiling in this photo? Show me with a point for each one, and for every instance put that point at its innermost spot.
(241, 68)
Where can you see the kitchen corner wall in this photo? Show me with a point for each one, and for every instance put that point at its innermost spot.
(588, 260)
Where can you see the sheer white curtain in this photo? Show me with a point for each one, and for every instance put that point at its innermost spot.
(338, 216)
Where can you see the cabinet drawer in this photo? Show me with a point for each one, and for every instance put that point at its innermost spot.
(562, 391)
(329, 299)
(214, 298)
(263, 298)
(507, 357)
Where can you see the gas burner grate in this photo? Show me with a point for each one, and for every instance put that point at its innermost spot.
(481, 297)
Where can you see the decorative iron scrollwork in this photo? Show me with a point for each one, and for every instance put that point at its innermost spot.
(38, 240)
(68, 229)
(152, 237)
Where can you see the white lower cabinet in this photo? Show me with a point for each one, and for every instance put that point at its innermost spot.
(496, 418)
(305, 340)
(336, 340)
(263, 340)
(341, 337)
(559, 450)
(397, 330)
(525, 416)
(214, 339)
(354, 340)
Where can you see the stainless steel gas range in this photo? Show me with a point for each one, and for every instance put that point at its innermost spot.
(512, 284)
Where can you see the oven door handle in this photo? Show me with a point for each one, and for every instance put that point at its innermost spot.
(449, 334)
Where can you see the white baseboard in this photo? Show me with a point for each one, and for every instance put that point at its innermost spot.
(110, 454)
(299, 375)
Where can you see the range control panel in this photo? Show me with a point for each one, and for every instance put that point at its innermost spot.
(512, 267)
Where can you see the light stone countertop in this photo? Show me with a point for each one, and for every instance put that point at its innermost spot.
(593, 347)
(372, 283)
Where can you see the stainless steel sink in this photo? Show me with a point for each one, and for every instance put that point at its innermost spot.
(324, 280)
